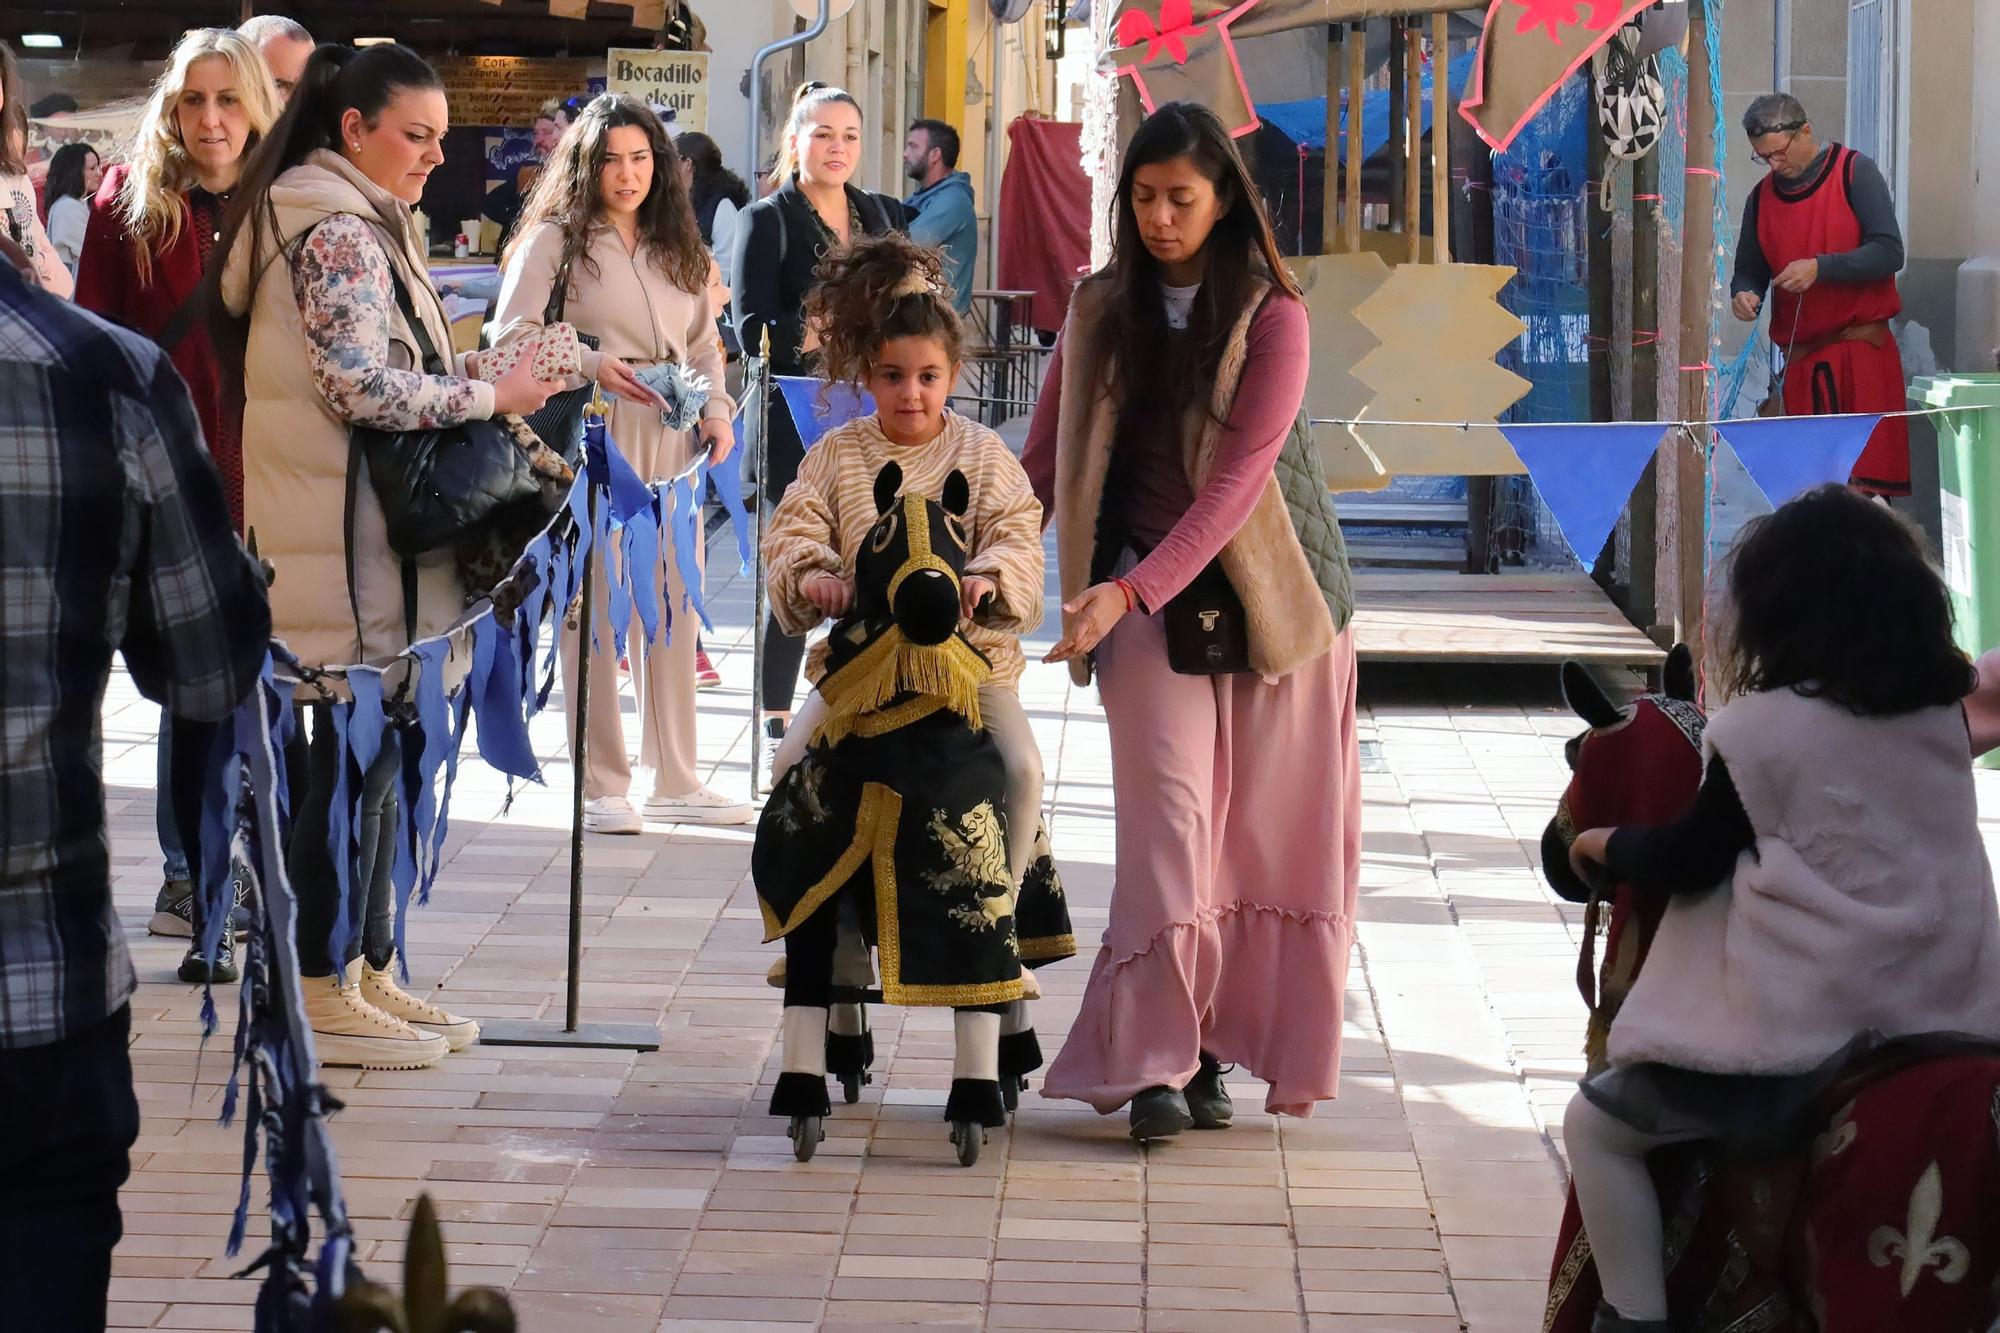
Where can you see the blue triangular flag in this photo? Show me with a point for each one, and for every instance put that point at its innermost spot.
(1585, 473)
(728, 479)
(1788, 455)
(801, 395)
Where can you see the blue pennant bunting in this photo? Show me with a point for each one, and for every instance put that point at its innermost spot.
(1585, 473)
(802, 400)
(1789, 455)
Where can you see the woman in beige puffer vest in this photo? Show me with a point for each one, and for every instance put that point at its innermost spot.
(322, 222)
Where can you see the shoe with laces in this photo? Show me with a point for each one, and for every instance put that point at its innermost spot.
(611, 814)
(706, 677)
(173, 910)
(349, 1031)
(700, 806)
(1208, 1101)
(219, 971)
(380, 989)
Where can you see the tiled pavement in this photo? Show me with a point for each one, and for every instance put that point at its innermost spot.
(610, 1191)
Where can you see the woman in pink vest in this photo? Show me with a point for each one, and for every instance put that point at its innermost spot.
(1820, 232)
(1165, 447)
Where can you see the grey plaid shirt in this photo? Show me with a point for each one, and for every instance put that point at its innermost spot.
(114, 536)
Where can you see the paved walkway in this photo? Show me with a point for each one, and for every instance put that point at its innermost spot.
(611, 1191)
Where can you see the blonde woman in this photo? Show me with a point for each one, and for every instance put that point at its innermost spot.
(156, 217)
(611, 213)
(151, 229)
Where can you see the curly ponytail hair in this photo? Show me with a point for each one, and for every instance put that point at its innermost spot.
(873, 290)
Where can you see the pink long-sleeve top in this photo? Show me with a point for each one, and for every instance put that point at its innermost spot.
(1186, 530)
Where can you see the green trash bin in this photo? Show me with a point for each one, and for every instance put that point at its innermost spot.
(1969, 504)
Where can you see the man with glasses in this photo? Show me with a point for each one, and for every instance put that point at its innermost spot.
(1819, 231)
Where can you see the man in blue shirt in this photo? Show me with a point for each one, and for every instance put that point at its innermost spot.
(941, 212)
(114, 539)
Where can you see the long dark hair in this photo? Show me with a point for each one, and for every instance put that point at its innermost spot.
(568, 193)
(713, 181)
(13, 116)
(873, 290)
(336, 79)
(1171, 374)
(66, 171)
(1835, 597)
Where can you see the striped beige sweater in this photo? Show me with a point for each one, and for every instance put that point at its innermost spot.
(824, 515)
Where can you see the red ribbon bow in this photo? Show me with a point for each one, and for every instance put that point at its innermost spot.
(1176, 25)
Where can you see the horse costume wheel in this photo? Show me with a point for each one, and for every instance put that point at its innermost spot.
(807, 1133)
(1010, 1092)
(850, 1086)
(968, 1138)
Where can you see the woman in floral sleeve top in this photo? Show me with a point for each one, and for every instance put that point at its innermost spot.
(310, 258)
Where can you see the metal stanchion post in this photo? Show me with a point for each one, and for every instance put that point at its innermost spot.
(543, 1032)
(762, 424)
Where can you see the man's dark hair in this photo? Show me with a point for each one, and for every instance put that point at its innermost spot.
(941, 137)
(1774, 113)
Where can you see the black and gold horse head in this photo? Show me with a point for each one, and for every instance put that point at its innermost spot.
(910, 565)
(900, 644)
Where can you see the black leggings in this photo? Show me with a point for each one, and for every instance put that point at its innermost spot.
(784, 653)
(371, 898)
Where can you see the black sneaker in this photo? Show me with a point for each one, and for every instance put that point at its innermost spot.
(1159, 1113)
(1208, 1101)
(221, 971)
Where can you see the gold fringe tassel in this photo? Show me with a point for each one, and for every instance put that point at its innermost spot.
(892, 666)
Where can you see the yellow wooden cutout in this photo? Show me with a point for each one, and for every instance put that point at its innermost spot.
(1334, 285)
(1438, 327)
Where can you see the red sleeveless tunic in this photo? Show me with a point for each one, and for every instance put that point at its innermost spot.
(1842, 375)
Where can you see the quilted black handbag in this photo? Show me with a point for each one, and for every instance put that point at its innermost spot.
(439, 486)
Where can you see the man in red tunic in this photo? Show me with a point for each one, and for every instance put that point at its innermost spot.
(1820, 232)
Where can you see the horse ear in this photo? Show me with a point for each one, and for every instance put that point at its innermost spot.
(1586, 698)
(957, 496)
(888, 485)
(1678, 676)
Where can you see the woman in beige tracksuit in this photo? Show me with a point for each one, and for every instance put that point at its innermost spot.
(610, 207)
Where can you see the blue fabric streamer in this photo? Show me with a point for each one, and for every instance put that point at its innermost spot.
(499, 699)
(728, 481)
(424, 756)
(687, 532)
(360, 727)
(1585, 473)
(1788, 455)
(460, 704)
(801, 398)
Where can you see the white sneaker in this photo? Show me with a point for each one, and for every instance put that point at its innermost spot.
(380, 989)
(700, 806)
(611, 814)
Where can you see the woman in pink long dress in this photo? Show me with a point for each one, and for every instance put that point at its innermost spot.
(1171, 401)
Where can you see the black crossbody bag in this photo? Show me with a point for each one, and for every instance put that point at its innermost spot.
(559, 422)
